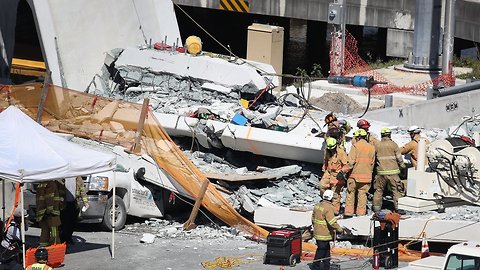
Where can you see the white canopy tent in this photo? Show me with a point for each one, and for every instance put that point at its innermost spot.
(31, 153)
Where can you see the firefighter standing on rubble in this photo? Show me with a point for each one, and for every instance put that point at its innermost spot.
(389, 162)
(334, 171)
(411, 148)
(49, 203)
(360, 160)
(364, 124)
(336, 129)
(324, 226)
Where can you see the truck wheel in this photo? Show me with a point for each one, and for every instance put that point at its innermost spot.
(120, 214)
(292, 260)
(265, 259)
(388, 262)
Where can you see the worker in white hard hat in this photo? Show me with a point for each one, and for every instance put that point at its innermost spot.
(411, 148)
(324, 226)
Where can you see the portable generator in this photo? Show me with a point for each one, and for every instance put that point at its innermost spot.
(284, 247)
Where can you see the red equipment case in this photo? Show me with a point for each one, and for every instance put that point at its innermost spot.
(284, 247)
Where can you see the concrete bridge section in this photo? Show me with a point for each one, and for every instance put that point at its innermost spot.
(394, 15)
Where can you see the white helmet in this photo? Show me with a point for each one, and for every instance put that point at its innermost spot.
(328, 195)
(414, 129)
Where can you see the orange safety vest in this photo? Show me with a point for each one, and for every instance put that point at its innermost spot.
(38, 266)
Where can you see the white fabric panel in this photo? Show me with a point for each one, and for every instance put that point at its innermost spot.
(41, 154)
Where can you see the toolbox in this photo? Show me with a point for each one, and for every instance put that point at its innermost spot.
(284, 247)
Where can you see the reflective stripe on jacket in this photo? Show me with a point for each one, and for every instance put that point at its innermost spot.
(49, 201)
(361, 160)
(389, 159)
(324, 221)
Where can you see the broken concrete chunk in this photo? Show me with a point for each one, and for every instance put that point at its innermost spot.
(116, 127)
(265, 202)
(128, 117)
(216, 87)
(90, 128)
(242, 170)
(148, 238)
(106, 113)
(281, 172)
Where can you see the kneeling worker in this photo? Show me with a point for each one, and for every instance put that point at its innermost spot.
(324, 226)
(41, 256)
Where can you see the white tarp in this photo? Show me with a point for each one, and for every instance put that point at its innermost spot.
(40, 154)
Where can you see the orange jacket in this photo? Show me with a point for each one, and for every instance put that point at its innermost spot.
(411, 148)
(361, 160)
(335, 163)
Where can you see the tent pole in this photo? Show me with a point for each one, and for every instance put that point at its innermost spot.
(22, 226)
(113, 214)
(3, 202)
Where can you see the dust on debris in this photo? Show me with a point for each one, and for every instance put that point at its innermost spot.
(338, 103)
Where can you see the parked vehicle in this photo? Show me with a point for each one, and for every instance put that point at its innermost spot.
(463, 256)
(142, 189)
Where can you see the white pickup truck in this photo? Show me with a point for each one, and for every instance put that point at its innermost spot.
(463, 256)
(142, 189)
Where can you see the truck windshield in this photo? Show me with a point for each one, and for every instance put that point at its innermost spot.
(462, 262)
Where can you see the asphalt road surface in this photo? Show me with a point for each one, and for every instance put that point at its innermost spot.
(92, 250)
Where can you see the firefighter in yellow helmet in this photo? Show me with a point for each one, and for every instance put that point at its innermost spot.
(389, 162)
(49, 203)
(336, 129)
(324, 226)
(334, 171)
(360, 160)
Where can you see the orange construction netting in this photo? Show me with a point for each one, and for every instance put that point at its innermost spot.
(355, 65)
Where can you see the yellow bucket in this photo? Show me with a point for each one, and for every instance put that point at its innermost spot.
(194, 45)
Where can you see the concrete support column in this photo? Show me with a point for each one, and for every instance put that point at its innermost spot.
(8, 19)
(426, 36)
(448, 37)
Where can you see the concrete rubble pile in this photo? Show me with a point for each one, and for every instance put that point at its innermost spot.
(166, 229)
(292, 186)
(122, 78)
(154, 228)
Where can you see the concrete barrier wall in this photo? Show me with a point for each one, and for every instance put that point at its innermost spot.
(436, 113)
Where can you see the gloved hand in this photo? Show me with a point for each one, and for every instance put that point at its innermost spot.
(341, 176)
(403, 173)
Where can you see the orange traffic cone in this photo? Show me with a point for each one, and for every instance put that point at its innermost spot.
(425, 249)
